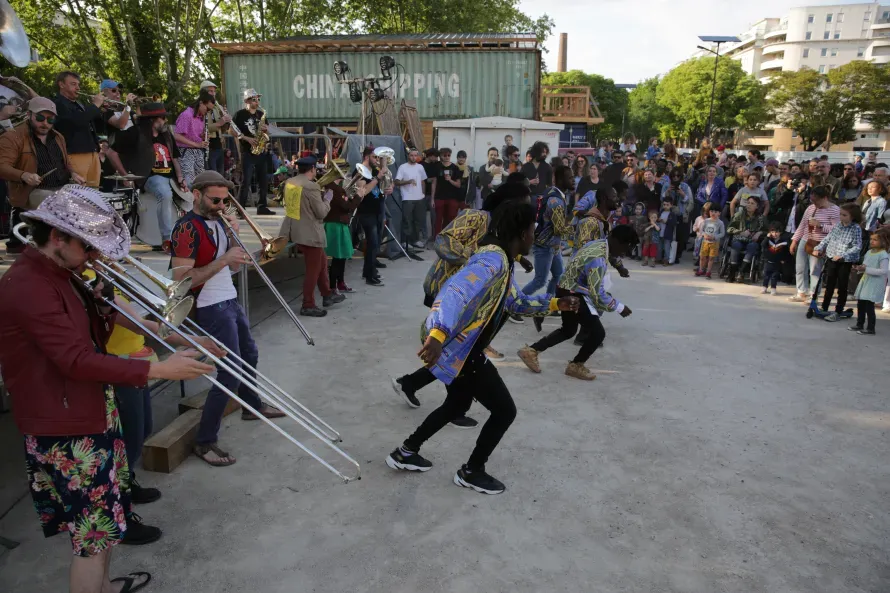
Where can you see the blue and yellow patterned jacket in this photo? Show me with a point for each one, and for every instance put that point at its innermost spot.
(555, 222)
(482, 292)
(584, 276)
(454, 246)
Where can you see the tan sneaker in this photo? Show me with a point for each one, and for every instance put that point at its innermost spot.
(493, 354)
(579, 371)
(529, 356)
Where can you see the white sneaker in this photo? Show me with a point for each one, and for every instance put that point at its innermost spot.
(885, 309)
(764, 290)
(419, 244)
(773, 291)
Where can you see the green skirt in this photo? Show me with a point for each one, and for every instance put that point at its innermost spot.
(339, 240)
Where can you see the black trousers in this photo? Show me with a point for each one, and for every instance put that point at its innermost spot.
(593, 331)
(336, 272)
(479, 379)
(423, 377)
(866, 310)
(837, 276)
(251, 163)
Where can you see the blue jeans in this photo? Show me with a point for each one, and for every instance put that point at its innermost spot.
(217, 160)
(134, 407)
(806, 270)
(751, 249)
(227, 323)
(371, 226)
(772, 273)
(160, 187)
(547, 259)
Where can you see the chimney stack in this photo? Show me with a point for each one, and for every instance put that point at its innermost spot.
(563, 52)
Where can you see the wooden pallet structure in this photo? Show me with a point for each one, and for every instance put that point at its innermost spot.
(412, 129)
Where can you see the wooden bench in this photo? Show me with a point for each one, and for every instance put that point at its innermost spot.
(166, 449)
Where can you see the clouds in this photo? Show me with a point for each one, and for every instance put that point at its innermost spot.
(630, 40)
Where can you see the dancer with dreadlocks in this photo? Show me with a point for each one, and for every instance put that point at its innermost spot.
(469, 311)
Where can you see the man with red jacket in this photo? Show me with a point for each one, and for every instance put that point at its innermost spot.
(52, 355)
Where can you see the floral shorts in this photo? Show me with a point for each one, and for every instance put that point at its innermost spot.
(79, 484)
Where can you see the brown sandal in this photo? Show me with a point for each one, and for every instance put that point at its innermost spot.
(202, 451)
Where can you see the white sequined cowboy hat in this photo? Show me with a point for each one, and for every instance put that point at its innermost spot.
(82, 212)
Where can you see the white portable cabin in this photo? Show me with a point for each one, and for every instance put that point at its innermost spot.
(479, 134)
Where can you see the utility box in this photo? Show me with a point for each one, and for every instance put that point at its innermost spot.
(477, 135)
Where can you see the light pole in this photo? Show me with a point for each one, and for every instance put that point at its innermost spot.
(718, 40)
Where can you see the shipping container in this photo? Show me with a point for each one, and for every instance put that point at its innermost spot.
(448, 76)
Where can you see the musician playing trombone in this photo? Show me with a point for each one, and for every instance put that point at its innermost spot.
(202, 249)
(53, 332)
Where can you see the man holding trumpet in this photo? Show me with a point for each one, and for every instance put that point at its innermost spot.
(78, 124)
(203, 249)
(52, 354)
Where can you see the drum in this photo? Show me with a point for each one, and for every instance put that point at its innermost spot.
(123, 201)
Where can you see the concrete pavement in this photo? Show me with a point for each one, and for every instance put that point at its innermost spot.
(728, 444)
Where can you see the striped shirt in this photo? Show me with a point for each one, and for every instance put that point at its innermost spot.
(826, 218)
(49, 156)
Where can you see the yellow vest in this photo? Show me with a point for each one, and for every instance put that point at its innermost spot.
(122, 341)
(293, 197)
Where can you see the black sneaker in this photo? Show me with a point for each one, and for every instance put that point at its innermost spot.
(332, 299)
(539, 323)
(402, 392)
(312, 312)
(379, 264)
(855, 328)
(478, 480)
(516, 319)
(374, 282)
(866, 332)
(464, 422)
(265, 211)
(138, 533)
(411, 463)
(140, 495)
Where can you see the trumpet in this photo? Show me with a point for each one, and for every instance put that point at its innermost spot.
(278, 245)
(137, 101)
(335, 174)
(188, 330)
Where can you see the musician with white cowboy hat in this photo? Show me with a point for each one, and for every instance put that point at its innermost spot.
(147, 149)
(218, 121)
(53, 331)
(247, 124)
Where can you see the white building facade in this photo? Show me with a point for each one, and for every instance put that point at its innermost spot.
(821, 38)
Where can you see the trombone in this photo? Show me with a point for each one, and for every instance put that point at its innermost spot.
(179, 324)
(275, 246)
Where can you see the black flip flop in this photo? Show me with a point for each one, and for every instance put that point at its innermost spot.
(130, 579)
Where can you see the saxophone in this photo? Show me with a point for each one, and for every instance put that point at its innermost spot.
(262, 138)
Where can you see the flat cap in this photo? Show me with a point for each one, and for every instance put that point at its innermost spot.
(211, 179)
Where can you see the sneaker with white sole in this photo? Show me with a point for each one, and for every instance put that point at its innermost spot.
(412, 462)
(400, 390)
(773, 291)
(798, 298)
(516, 319)
(493, 354)
(764, 291)
(529, 356)
(831, 316)
(478, 480)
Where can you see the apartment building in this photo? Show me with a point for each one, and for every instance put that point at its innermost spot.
(817, 37)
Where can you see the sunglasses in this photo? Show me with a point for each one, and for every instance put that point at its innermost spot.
(216, 201)
(50, 119)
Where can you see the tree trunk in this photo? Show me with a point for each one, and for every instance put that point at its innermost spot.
(131, 46)
(241, 19)
(89, 38)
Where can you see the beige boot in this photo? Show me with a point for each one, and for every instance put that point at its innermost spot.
(493, 354)
(529, 356)
(579, 371)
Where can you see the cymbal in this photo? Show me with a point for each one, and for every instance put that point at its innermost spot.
(127, 177)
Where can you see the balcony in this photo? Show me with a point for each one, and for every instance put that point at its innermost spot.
(779, 31)
(881, 24)
(775, 64)
(775, 49)
(569, 104)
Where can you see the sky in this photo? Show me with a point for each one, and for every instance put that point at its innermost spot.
(631, 40)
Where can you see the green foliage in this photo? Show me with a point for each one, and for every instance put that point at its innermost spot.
(866, 85)
(646, 118)
(685, 91)
(612, 101)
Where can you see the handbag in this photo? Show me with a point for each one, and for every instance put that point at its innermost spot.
(810, 246)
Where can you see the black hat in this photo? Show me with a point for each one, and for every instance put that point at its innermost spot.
(153, 110)
(307, 161)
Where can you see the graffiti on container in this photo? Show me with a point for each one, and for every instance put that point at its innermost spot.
(406, 85)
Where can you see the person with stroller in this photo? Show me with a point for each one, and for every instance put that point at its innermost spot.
(745, 231)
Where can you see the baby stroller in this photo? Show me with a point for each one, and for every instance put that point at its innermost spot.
(814, 309)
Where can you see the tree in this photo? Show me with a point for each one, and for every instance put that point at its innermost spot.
(865, 84)
(818, 111)
(646, 117)
(611, 100)
(685, 91)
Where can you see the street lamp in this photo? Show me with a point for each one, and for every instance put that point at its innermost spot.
(718, 40)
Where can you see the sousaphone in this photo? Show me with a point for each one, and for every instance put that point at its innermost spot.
(14, 44)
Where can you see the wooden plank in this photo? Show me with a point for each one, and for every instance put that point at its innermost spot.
(196, 402)
(166, 449)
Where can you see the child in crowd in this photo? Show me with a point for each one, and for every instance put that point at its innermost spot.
(696, 228)
(751, 189)
(496, 170)
(668, 232)
(841, 248)
(651, 239)
(639, 222)
(776, 253)
(712, 232)
(871, 288)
